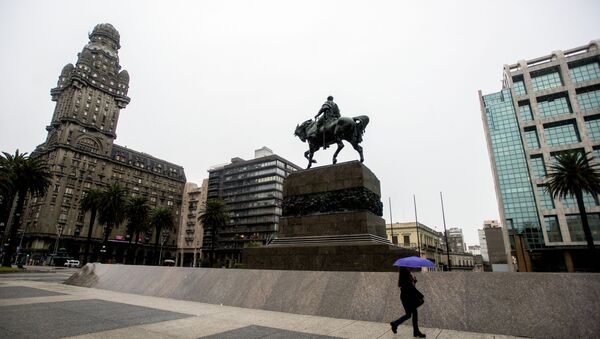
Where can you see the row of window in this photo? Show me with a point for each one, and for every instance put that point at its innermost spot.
(551, 77)
(574, 227)
(561, 133)
(558, 104)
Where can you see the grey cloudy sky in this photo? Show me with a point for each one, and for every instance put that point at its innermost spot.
(212, 80)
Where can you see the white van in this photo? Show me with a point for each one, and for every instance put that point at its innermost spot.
(72, 263)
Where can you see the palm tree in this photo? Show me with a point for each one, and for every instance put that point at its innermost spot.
(22, 175)
(7, 193)
(573, 174)
(90, 202)
(112, 211)
(162, 220)
(214, 215)
(137, 211)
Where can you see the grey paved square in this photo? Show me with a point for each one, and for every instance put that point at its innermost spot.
(8, 292)
(70, 318)
(255, 331)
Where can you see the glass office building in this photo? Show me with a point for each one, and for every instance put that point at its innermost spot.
(547, 105)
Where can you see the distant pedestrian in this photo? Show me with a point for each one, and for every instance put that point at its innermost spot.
(411, 299)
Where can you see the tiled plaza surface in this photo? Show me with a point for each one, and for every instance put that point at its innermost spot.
(45, 308)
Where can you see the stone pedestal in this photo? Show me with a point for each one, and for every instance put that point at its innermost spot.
(331, 222)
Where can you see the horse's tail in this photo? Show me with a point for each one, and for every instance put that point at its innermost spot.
(361, 122)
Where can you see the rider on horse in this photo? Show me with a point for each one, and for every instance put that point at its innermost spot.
(330, 112)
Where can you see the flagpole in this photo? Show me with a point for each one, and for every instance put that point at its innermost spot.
(391, 222)
(446, 234)
(417, 226)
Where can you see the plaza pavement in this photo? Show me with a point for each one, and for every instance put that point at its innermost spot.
(36, 306)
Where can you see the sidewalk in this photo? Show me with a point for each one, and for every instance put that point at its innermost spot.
(35, 308)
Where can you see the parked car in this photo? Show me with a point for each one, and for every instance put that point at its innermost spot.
(169, 262)
(72, 263)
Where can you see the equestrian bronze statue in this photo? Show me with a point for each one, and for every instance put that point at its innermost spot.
(330, 129)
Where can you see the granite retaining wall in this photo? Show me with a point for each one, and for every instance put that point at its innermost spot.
(540, 305)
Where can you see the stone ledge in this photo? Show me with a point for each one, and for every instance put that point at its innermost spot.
(538, 305)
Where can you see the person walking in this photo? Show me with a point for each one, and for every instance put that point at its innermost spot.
(411, 299)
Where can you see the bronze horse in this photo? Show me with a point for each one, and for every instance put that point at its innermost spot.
(344, 128)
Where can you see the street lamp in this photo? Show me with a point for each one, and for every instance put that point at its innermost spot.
(164, 237)
(59, 229)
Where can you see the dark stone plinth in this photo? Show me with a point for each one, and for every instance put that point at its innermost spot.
(331, 178)
(332, 224)
(373, 257)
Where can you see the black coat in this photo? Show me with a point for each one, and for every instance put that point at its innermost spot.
(409, 295)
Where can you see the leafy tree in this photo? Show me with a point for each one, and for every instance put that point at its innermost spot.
(21, 175)
(137, 211)
(112, 211)
(214, 216)
(90, 202)
(573, 174)
(162, 220)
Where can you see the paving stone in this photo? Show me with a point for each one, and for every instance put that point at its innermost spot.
(69, 318)
(254, 331)
(7, 292)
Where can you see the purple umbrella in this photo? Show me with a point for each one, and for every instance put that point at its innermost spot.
(414, 262)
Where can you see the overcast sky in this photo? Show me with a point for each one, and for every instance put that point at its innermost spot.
(212, 80)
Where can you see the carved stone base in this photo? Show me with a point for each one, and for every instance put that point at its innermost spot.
(366, 257)
(332, 224)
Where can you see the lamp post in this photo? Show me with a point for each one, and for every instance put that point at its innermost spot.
(59, 229)
(164, 237)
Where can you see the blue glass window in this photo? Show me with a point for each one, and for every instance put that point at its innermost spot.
(544, 79)
(553, 228)
(571, 202)
(525, 111)
(588, 70)
(538, 168)
(596, 154)
(554, 105)
(519, 86)
(514, 183)
(561, 133)
(588, 98)
(531, 137)
(576, 229)
(593, 128)
(545, 198)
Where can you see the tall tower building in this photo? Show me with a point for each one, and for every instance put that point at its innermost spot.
(90, 95)
(81, 155)
(253, 192)
(455, 240)
(547, 105)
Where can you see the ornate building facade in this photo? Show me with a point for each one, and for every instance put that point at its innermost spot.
(189, 240)
(81, 155)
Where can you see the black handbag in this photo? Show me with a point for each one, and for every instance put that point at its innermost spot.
(419, 299)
